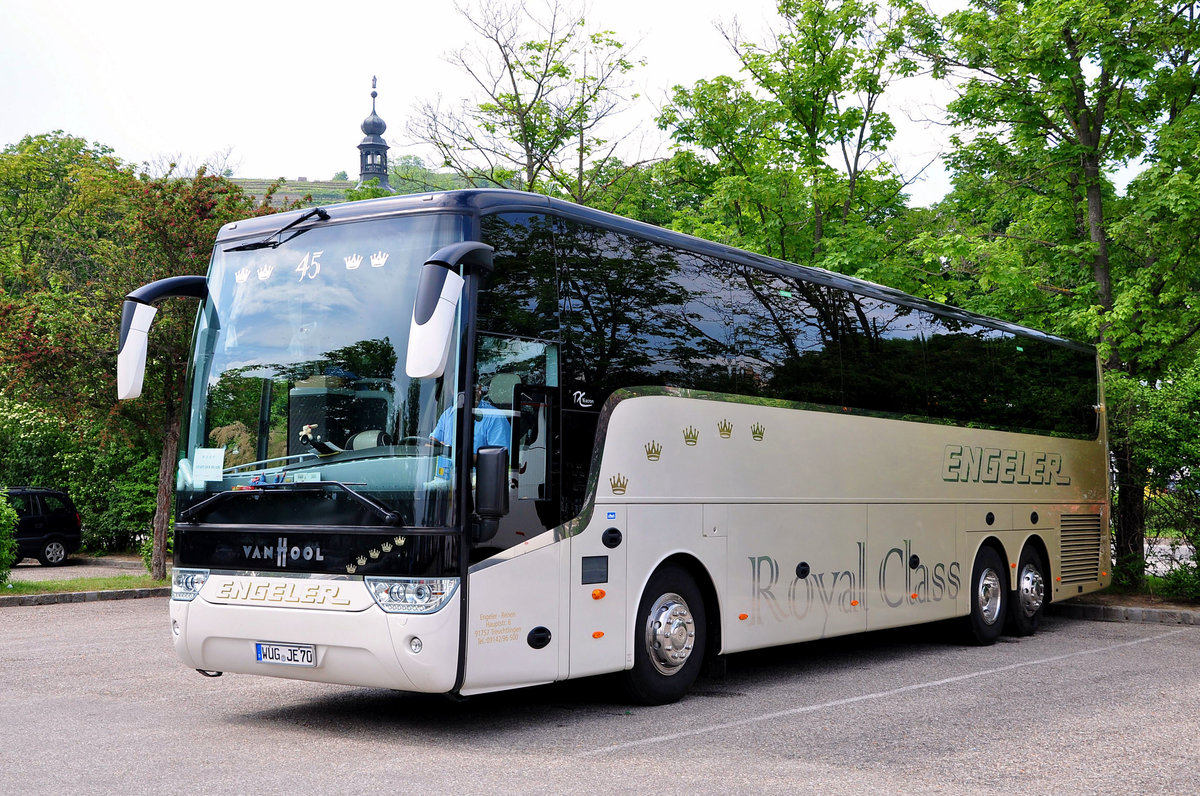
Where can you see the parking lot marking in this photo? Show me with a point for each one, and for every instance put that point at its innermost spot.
(867, 697)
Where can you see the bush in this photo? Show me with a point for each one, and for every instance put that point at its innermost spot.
(1173, 517)
(8, 538)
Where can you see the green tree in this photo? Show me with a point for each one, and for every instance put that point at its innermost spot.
(58, 321)
(48, 213)
(368, 190)
(1053, 98)
(791, 163)
(545, 86)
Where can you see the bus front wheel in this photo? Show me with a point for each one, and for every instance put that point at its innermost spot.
(1028, 601)
(989, 597)
(669, 638)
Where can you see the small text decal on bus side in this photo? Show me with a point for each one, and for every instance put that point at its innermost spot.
(965, 463)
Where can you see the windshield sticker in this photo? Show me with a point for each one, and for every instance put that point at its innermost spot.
(207, 465)
(353, 262)
(379, 258)
(310, 266)
(265, 271)
(243, 275)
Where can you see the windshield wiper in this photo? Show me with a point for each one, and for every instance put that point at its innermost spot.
(268, 243)
(389, 516)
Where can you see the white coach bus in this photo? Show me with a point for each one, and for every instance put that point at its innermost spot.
(670, 449)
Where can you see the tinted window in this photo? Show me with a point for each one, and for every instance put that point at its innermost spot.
(55, 504)
(22, 503)
(637, 313)
(786, 337)
(521, 295)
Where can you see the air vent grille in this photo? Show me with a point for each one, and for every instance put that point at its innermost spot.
(1079, 548)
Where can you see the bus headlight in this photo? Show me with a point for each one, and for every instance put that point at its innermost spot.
(411, 595)
(187, 583)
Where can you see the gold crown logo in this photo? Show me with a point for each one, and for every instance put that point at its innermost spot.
(653, 450)
(362, 561)
(399, 541)
(618, 483)
(725, 428)
(757, 430)
(374, 554)
(378, 259)
(350, 568)
(243, 275)
(265, 271)
(691, 436)
(353, 262)
(386, 547)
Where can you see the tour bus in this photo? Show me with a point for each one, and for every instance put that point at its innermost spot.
(475, 440)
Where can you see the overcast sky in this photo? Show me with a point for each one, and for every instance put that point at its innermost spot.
(284, 85)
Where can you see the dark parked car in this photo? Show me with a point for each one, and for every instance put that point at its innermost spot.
(48, 526)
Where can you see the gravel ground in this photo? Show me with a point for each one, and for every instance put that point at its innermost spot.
(79, 567)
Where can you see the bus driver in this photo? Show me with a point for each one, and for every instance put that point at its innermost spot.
(491, 427)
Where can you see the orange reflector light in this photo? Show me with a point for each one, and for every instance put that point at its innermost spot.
(1059, 580)
(598, 594)
(598, 634)
(914, 595)
(854, 602)
(743, 617)
(1014, 566)
(1105, 574)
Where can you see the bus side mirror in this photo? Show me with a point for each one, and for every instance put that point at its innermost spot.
(439, 289)
(429, 334)
(136, 315)
(491, 489)
(131, 356)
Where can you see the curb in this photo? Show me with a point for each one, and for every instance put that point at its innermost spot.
(82, 596)
(1122, 613)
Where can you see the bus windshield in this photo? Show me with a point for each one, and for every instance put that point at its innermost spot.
(298, 385)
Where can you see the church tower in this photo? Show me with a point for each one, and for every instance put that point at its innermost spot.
(372, 152)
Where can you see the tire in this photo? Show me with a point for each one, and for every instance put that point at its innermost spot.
(670, 636)
(1028, 598)
(989, 598)
(52, 553)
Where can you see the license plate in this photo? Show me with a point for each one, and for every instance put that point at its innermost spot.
(286, 654)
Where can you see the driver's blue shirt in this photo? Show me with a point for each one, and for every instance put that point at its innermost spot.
(491, 427)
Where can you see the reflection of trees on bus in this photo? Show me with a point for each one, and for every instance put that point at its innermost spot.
(252, 411)
(633, 312)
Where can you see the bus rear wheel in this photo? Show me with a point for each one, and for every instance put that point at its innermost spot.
(1028, 601)
(989, 598)
(669, 638)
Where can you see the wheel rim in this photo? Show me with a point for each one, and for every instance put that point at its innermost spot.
(55, 552)
(1032, 590)
(988, 596)
(670, 633)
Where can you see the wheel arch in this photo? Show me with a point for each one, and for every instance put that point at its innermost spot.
(1039, 544)
(997, 545)
(708, 591)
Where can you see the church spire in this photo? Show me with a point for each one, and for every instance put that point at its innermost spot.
(372, 152)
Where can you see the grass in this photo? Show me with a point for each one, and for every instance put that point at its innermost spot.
(14, 587)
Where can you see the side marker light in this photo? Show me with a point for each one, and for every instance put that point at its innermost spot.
(854, 602)
(598, 634)
(598, 594)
